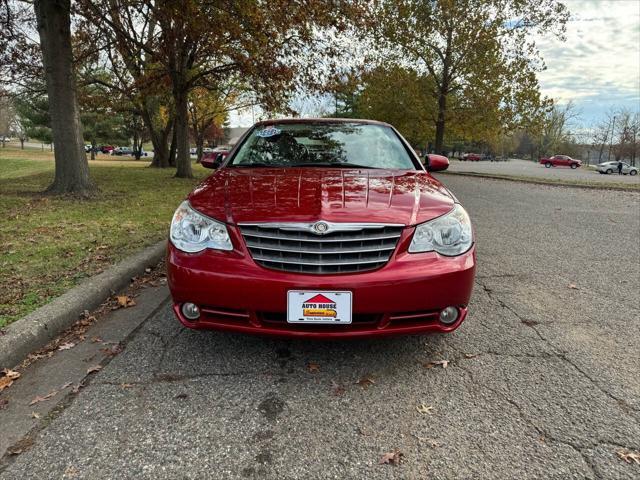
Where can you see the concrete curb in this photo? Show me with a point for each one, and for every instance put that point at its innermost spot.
(41, 326)
(602, 186)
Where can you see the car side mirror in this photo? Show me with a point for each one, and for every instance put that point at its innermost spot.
(212, 162)
(436, 163)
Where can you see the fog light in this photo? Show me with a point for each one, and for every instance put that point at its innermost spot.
(191, 311)
(449, 315)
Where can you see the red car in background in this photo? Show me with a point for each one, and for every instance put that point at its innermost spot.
(560, 161)
(472, 157)
(322, 228)
(215, 158)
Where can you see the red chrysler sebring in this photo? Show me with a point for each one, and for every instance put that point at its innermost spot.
(322, 228)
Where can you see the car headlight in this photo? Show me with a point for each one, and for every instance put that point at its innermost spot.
(193, 232)
(449, 235)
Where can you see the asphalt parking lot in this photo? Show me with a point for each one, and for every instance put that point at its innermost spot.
(524, 168)
(542, 380)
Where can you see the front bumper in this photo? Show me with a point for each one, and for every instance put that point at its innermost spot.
(403, 297)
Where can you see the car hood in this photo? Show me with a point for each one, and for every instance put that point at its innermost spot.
(239, 195)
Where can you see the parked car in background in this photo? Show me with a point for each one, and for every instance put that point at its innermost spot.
(122, 151)
(612, 167)
(561, 161)
(214, 157)
(325, 228)
(471, 157)
(107, 149)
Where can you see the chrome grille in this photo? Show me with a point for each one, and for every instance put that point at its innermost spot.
(345, 248)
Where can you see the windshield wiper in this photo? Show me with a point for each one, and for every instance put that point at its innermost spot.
(330, 164)
(254, 165)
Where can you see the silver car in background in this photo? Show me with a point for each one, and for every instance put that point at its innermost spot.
(612, 167)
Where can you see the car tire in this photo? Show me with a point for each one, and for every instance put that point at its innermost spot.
(574, 166)
(633, 172)
(609, 171)
(547, 165)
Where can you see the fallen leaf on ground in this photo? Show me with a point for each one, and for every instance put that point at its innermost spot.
(96, 340)
(126, 385)
(365, 382)
(20, 446)
(313, 367)
(66, 346)
(125, 301)
(71, 472)
(39, 399)
(391, 458)
(3, 403)
(181, 396)
(442, 363)
(425, 409)
(112, 351)
(471, 355)
(95, 368)
(573, 286)
(629, 456)
(337, 389)
(35, 415)
(77, 388)
(8, 378)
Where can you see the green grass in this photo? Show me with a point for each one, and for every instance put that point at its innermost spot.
(49, 244)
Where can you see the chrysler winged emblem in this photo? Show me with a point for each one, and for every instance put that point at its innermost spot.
(320, 228)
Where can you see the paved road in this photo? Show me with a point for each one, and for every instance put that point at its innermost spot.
(530, 169)
(543, 379)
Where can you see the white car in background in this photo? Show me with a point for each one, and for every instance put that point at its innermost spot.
(612, 167)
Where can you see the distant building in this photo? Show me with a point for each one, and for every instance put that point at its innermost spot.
(234, 134)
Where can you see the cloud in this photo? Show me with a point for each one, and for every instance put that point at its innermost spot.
(598, 66)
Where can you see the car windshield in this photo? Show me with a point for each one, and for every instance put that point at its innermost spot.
(340, 145)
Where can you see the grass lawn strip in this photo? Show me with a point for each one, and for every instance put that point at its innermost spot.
(49, 244)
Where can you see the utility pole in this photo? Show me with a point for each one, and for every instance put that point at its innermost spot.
(613, 123)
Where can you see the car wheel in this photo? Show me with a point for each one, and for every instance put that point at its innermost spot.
(633, 172)
(609, 170)
(574, 166)
(547, 165)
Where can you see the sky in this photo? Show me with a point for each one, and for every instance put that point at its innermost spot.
(597, 66)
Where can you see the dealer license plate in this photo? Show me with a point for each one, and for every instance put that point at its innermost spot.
(318, 307)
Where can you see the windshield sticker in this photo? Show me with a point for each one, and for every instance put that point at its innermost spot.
(269, 132)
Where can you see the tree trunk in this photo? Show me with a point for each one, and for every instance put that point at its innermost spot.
(440, 122)
(172, 149)
(71, 166)
(181, 128)
(22, 144)
(93, 150)
(159, 140)
(199, 146)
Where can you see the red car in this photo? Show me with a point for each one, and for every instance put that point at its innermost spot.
(322, 228)
(472, 157)
(214, 158)
(560, 161)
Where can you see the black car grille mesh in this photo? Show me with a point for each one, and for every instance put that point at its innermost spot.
(336, 252)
